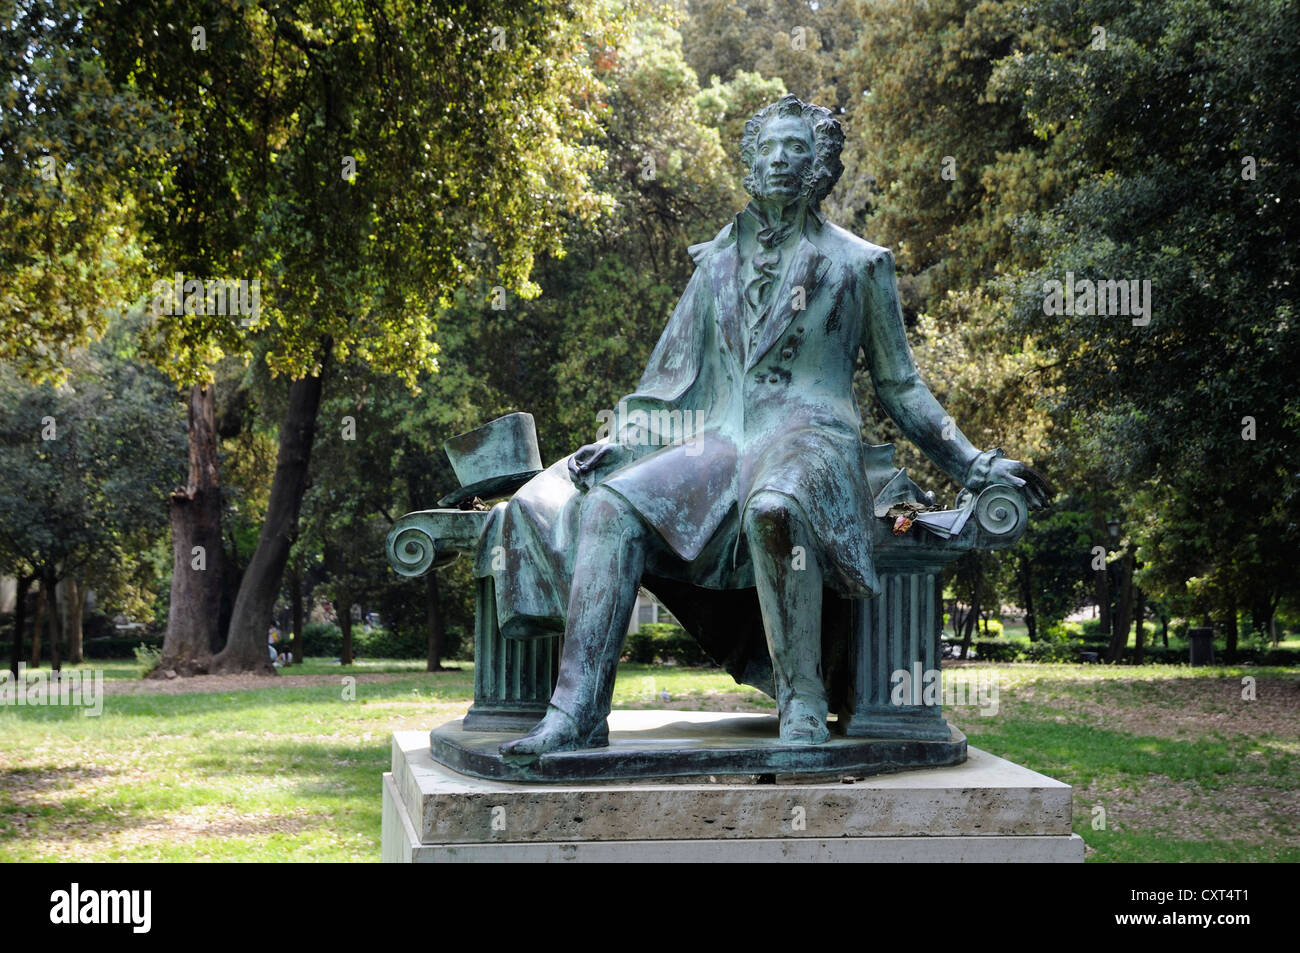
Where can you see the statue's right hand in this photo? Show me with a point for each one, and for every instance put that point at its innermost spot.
(584, 463)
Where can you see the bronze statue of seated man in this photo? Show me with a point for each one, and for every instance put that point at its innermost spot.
(736, 469)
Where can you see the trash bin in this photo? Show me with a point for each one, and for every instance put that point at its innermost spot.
(1202, 650)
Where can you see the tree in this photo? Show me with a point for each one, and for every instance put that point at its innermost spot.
(77, 156)
(379, 159)
(1186, 398)
(939, 162)
(83, 471)
(801, 43)
(582, 343)
(1105, 142)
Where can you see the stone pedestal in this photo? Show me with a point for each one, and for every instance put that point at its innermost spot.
(986, 809)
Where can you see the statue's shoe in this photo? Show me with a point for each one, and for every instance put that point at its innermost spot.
(804, 723)
(556, 732)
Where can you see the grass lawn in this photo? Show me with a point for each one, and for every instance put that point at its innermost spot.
(213, 769)
(1168, 763)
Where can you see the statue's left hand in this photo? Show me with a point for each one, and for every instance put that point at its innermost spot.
(1014, 473)
(591, 460)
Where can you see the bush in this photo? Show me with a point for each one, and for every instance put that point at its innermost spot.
(666, 644)
(1063, 632)
(322, 639)
(386, 643)
(148, 657)
(325, 640)
(1092, 633)
(995, 650)
(1052, 651)
(640, 647)
(99, 638)
(1158, 654)
(99, 625)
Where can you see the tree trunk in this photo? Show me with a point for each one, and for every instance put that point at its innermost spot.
(35, 660)
(51, 585)
(245, 649)
(20, 622)
(972, 616)
(72, 602)
(1230, 650)
(1139, 611)
(976, 569)
(1101, 585)
(197, 556)
(232, 574)
(81, 616)
(295, 603)
(1124, 611)
(345, 624)
(433, 602)
(1026, 575)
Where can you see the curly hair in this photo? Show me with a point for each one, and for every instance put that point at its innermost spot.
(828, 141)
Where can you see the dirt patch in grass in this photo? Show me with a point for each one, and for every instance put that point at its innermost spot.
(170, 829)
(1181, 708)
(1185, 810)
(30, 781)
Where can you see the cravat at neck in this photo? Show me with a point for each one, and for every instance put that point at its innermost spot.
(771, 239)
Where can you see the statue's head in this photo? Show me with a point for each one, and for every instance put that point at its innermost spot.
(792, 148)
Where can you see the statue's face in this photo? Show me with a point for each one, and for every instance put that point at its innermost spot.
(783, 157)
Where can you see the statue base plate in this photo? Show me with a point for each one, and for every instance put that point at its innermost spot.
(685, 744)
(984, 809)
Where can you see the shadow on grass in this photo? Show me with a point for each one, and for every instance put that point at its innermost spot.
(33, 779)
(322, 778)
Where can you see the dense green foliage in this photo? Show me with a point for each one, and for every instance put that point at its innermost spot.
(1112, 142)
(85, 469)
(1193, 416)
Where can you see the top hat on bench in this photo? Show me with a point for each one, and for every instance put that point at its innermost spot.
(494, 460)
